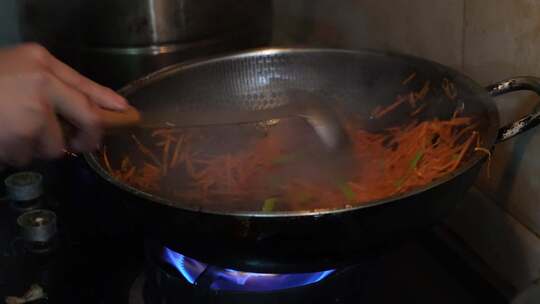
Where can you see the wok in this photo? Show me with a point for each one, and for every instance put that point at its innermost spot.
(307, 240)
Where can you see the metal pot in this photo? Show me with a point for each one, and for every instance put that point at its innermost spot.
(123, 23)
(120, 40)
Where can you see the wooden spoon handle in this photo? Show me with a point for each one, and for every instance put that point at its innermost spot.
(115, 120)
(111, 121)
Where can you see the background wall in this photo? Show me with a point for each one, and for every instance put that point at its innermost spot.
(488, 40)
(431, 29)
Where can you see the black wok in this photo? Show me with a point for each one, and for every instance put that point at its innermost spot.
(307, 240)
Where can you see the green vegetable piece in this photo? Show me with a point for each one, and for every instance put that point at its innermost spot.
(275, 180)
(416, 159)
(400, 182)
(287, 158)
(269, 204)
(305, 197)
(349, 194)
(414, 163)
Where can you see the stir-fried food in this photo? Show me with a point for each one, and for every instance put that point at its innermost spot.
(268, 171)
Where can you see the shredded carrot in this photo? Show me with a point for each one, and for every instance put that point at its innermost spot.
(418, 110)
(129, 174)
(145, 150)
(106, 160)
(449, 89)
(177, 151)
(409, 79)
(165, 157)
(412, 99)
(488, 153)
(189, 165)
(393, 161)
(399, 101)
(424, 91)
(464, 150)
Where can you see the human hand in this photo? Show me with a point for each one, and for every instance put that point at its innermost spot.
(35, 87)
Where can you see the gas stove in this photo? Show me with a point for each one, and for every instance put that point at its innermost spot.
(100, 257)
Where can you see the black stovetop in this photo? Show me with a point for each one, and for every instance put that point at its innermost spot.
(100, 259)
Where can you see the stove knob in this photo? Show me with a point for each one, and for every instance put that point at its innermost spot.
(24, 190)
(37, 226)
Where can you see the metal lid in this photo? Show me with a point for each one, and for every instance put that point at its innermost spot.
(24, 186)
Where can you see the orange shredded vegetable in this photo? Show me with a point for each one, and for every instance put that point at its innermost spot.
(387, 163)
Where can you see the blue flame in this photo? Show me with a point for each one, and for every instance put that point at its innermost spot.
(189, 268)
(233, 280)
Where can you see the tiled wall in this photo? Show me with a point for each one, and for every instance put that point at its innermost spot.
(488, 40)
(502, 40)
(431, 29)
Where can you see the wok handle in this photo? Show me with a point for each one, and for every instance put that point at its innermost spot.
(525, 83)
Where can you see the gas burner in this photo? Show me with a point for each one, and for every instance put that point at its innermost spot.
(171, 275)
(224, 279)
